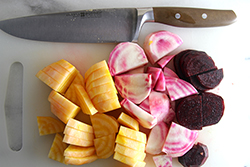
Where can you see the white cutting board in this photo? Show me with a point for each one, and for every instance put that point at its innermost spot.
(228, 141)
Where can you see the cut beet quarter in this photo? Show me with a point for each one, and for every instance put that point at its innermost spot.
(135, 87)
(210, 79)
(178, 88)
(155, 72)
(196, 156)
(144, 118)
(159, 44)
(126, 56)
(156, 138)
(189, 112)
(179, 140)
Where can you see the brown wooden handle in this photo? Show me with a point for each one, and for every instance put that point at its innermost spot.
(193, 17)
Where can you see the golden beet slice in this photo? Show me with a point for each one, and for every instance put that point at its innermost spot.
(104, 125)
(49, 125)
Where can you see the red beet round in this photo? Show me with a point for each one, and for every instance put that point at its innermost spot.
(197, 111)
(195, 157)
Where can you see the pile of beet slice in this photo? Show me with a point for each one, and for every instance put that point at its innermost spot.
(197, 111)
(198, 68)
(203, 109)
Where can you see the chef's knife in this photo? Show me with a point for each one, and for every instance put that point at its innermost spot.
(110, 25)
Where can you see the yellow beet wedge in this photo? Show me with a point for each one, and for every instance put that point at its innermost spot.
(133, 134)
(62, 107)
(71, 93)
(104, 97)
(100, 81)
(104, 146)
(49, 125)
(128, 121)
(104, 125)
(76, 124)
(99, 73)
(78, 134)
(108, 105)
(80, 160)
(127, 142)
(101, 64)
(137, 155)
(124, 159)
(101, 89)
(78, 151)
(77, 141)
(58, 75)
(140, 164)
(57, 149)
(85, 102)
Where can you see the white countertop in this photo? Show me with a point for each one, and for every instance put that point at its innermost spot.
(228, 141)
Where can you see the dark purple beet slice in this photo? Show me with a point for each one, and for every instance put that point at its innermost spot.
(212, 108)
(195, 157)
(210, 79)
(189, 112)
(195, 82)
(189, 57)
(198, 64)
(177, 64)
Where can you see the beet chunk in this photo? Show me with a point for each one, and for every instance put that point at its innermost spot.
(210, 79)
(212, 108)
(195, 157)
(189, 112)
(197, 63)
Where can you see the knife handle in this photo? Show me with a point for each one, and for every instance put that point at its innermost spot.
(193, 17)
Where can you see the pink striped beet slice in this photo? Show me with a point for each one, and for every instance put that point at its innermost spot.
(165, 60)
(179, 140)
(126, 56)
(155, 72)
(160, 84)
(135, 87)
(162, 160)
(144, 118)
(156, 138)
(178, 88)
(159, 44)
(169, 73)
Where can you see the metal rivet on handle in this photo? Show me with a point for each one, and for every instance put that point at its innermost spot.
(177, 15)
(204, 15)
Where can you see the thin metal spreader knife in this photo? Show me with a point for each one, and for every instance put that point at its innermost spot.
(110, 25)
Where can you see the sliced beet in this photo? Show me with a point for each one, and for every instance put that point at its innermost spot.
(197, 64)
(212, 108)
(195, 157)
(189, 112)
(188, 57)
(196, 83)
(210, 79)
(197, 111)
(177, 64)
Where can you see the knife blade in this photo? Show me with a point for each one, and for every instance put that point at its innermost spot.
(110, 25)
